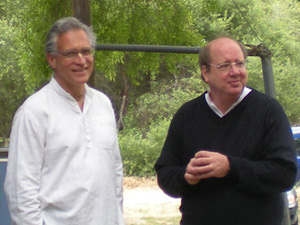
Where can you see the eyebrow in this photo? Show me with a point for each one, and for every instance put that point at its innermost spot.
(76, 49)
(229, 61)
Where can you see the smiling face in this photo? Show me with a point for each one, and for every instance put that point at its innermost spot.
(225, 83)
(71, 74)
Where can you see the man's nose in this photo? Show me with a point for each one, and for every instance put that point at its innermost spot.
(80, 58)
(234, 69)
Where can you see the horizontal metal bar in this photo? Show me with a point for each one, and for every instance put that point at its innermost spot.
(148, 48)
(157, 49)
(253, 51)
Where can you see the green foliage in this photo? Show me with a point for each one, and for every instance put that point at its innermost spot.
(147, 122)
(23, 26)
(162, 101)
(156, 84)
(274, 22)
(143, 22)
(12, 90)
(31, 21)
(140, 153)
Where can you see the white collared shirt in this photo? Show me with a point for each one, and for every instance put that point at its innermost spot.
(214, 108)
(64, 164)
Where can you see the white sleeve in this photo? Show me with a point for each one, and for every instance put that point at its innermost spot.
(119, 183)
(22, 182)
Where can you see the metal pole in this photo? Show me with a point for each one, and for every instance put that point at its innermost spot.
(148, 48)
(268, 76)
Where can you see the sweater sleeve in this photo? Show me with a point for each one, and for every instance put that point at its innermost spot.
(22, 181)
(170, 167)
(276, 170)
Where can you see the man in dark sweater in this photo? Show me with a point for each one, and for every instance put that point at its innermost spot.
(229, 154)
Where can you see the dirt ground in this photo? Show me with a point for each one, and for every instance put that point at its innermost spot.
(144, 199)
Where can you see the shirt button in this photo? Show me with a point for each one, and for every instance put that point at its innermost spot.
(88, 138)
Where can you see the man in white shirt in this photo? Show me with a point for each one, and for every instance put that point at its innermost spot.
(64, 163)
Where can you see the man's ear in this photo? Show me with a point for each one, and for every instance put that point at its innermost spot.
(204, 73)
(51, 60)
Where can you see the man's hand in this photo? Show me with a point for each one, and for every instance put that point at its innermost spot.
(206, 164)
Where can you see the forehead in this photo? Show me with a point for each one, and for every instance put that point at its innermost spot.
(73, 39)
(223, 50)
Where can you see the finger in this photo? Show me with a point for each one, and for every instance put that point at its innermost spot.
(199, 170)
(203, 153)
(191, 179)
(205, 175)
(192, 170)
(199, 162)
(203, 169)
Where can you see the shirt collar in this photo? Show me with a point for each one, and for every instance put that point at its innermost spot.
(214, 108)
(68, 97)
(62, 92)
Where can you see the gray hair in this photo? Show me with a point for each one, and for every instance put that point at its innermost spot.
(64, 25)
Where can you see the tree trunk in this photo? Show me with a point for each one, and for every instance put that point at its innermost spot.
(82, 11)
(125, 94)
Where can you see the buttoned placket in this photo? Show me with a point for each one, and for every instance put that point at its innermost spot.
(87, 133)
(86, 127)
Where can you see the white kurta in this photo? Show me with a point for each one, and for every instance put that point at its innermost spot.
(64, 165)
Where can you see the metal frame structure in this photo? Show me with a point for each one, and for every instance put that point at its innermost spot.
(258, 51)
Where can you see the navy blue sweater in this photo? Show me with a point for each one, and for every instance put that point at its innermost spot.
(257, 139)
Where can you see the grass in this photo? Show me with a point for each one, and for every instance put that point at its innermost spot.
(157, 221)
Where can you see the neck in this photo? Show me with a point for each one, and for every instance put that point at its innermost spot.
(80, 100)
(78, 97)
(77, 91)
(223, 102)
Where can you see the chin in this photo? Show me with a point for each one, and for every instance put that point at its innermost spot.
(83, 78)
(236, 91)
(83, 81)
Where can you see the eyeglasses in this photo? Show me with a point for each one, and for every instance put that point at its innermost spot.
(73, 54)
(241, 64)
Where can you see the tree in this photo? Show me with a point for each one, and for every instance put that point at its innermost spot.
(12, 91)
(272, 23)
(23, 65)
(147, 88)
(148, 116)
(141, 22)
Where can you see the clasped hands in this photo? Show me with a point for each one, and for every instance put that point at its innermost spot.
(206, 164)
